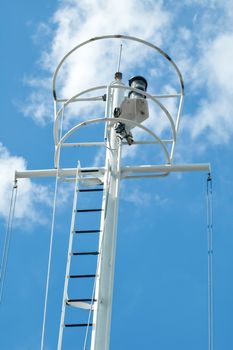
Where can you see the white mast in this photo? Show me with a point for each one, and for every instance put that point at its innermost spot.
(117, 112)
(107, 242)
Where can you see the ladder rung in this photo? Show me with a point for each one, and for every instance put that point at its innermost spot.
(87, 210)
(89, 171)
(80, 300)
(79, 325)
(82, 276)
(87, 231)
(91, 190)
(86, 304)
(86, 253)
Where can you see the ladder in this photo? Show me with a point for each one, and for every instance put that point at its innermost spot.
(82, 255)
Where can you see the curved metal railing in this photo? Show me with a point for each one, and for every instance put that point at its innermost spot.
(131, 38)
(61, 105)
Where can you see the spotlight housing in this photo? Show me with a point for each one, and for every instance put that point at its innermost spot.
(137, 82)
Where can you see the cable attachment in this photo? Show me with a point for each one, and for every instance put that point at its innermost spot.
(7, 240)
(120, 128)
(209, 184)
(209, 178)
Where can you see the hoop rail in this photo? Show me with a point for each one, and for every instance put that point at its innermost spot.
(144, 93)
(110, 120)
(118, 36)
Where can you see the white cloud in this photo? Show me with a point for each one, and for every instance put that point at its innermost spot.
(202, 48)
(205, 60)
(99, 158)
(214, 74)
(30, 196)
(76, 21)
(138, 197)
(37, 106)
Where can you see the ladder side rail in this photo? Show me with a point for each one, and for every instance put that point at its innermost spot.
(69, 256)
(102, 231)
(95, 292)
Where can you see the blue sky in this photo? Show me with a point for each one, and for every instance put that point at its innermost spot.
(160, 294)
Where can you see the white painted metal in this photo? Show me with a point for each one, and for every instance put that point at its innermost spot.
(107, 245)
(126, 37)
(61, 172)
(100, 144)
(111, 122)
(58, 114)
(210, 264)
(167, 168)
(81, 305)
(83, 144)
(173, 124)
(125, 170)
(177, 122)
(69, 256)
(135, 109)
(110, 175)
(80, 96)
(167, 96)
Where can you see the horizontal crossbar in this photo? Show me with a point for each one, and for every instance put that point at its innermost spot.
(127, 172)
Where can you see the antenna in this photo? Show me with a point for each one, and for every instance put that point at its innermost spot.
(119, 58)
(126, 109)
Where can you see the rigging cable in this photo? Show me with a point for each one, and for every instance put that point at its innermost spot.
(7, 240)
(49, 263)
(209, 198)
(51, 244)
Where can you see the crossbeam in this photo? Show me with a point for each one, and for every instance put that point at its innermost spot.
(127, 172)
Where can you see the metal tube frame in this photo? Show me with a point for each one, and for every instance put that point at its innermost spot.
(163, 143)
(100, 338)
(112, 173)
(80, 96)
(125, 37)
(98, 173)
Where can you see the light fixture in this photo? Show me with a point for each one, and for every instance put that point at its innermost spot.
(137, 82)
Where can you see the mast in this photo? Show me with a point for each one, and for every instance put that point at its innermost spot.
(107, 243)
(126, 108)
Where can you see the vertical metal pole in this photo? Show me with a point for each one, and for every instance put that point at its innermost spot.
(210, 263)
(104, 285)
(177, 125)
